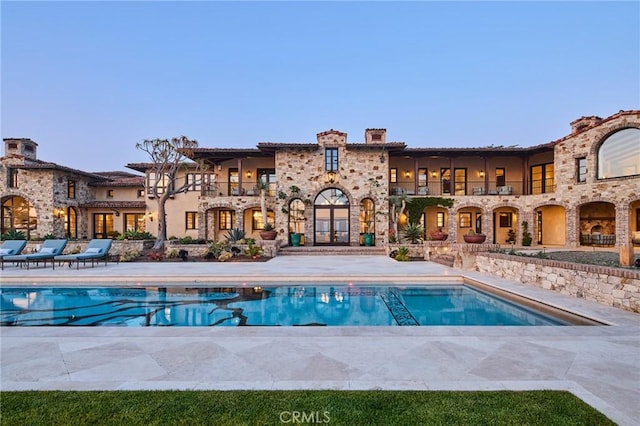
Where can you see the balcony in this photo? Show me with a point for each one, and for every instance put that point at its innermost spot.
(472, 188)
(234, 189)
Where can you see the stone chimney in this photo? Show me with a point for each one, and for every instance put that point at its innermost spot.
(375, 136)
(584, 123)
(20, 147)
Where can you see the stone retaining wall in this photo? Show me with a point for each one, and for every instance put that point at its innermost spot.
(617, 287)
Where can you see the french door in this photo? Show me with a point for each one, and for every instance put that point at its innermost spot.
(332, 225)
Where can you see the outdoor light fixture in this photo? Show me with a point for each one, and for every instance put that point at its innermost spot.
(481, 173)
(59, 213)
(331, 177)
(249, 173)
(407, 174)
(433, 173)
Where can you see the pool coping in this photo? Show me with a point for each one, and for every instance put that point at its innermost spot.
(599, 364)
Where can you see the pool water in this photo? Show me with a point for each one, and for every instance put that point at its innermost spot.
(299, 305)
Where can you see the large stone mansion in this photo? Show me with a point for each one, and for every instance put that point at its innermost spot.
(583, 188)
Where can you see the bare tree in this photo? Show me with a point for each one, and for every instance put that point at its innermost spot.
(168, 156)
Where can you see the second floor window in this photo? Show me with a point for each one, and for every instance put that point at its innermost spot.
(501, 177)
(581, 169)
(162, 180)
(542, 179)
(393, 175)
(12, 178)
(71, 189)
(109, 193)
(191, 220)
(331, 159)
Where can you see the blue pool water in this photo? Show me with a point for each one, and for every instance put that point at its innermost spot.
(299, 305)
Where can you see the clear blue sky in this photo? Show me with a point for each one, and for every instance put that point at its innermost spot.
(88, 80)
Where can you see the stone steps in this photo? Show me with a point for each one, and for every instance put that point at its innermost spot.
(330, 250)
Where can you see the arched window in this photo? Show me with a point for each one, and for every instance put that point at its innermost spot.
(619, 154)
(71, 223)
(331, 197)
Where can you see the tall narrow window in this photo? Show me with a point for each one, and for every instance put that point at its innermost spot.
(581, 169)
(12, 178)
(460, 182)
(191, 220)
(440, 219)
(445, 180)
(393, 175)
(234, 183)
(331, 159)
(501, 177)
(71, 189)
(422, 182)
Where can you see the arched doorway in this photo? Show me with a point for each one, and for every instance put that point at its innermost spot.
(331, 218)
(17, 213)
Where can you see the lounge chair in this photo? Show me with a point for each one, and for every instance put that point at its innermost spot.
(95, 251)
(11, 248)
(48, 250)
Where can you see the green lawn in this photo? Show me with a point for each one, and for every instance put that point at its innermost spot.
(296, 407)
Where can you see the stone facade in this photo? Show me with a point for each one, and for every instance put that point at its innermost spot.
(493, 188)
(615, 287)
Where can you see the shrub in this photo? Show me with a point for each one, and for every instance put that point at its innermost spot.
(129, 255)
(49, 236)
(135, 235)
(113, 234)
(224, 256)
(215, 249)
(402, 254)
(14, 234)
(172, 254)
(413, 232)
(253, 252)
(156, 255)
(76, 250)
(234, 235)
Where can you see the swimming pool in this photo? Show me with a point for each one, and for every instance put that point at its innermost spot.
(271, 305)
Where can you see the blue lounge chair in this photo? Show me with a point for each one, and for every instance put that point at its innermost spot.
(96, 250)
(48, 250)
(11, 248)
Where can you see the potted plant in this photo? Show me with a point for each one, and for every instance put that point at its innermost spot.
(438, 235)
(268, 232)
(511, 237)
(474, 238)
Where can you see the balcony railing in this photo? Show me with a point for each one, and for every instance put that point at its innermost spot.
(234, 189)
(471, 187)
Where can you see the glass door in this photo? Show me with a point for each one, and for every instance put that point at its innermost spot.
(332, 225)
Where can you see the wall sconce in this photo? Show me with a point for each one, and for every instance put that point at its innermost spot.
(331, 177)
(59, 213)
(433, 173)
(150, 217)
(481, 173)
(249, 174)
(407, 174)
